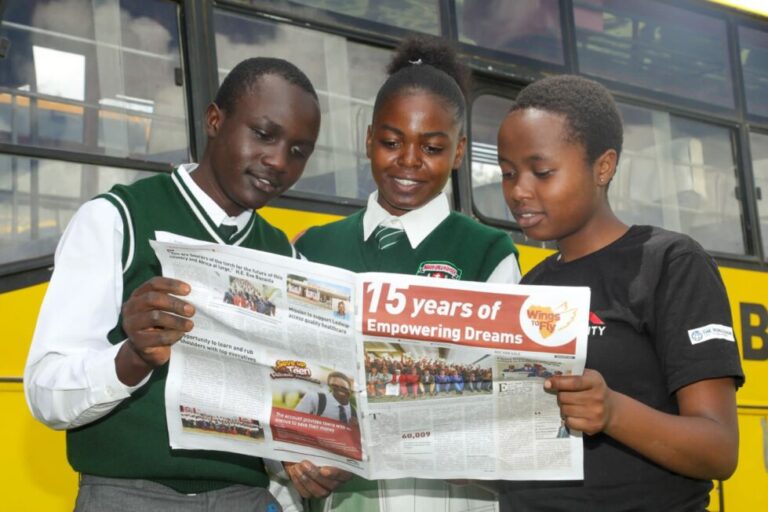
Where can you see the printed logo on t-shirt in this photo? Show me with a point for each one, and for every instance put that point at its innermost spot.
(439, 269)
(596, 325)
(710, 332)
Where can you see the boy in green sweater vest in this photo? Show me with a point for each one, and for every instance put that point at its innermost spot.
(97, 365)
(415, 141)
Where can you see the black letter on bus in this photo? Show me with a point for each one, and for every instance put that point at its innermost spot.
(750, 331)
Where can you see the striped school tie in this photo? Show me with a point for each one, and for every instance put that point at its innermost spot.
(387, 237)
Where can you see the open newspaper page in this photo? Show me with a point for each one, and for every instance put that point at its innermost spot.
(269, 368)
(454, 376)
(385, 375)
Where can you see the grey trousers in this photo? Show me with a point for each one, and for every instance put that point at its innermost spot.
(100, 494)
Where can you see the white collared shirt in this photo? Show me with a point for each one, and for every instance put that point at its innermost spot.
(419, 223)
(70, 377)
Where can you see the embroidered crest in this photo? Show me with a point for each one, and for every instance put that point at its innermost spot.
(439, 269)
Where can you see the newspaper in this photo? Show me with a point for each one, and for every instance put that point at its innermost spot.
(383, 375)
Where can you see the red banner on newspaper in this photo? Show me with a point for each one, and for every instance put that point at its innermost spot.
(316, 431)
(541, 323)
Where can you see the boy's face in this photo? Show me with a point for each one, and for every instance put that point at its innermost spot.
(413, 144)
(259, 150)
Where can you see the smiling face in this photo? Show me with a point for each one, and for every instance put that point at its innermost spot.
(340, 389)
(414, 143)
(550, 188)
(259, 149)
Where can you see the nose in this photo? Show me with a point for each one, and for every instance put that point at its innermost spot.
(276, 156)
(516, 190)
(410, 156)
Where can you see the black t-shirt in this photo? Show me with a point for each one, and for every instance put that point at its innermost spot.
(659, 320)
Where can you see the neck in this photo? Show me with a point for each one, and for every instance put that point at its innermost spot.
(602, 231)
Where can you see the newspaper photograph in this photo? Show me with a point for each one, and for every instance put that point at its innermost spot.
(383, 375)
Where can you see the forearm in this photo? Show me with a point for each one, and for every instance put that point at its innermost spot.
(68, 391)
(694, 446)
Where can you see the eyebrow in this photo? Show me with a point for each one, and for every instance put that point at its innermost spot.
(532, 158)
(427, 134)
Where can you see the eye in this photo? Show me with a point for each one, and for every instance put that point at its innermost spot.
(508, 174)
(298, 152)
(390, 143)
(262, 134)
(433, 150)
(543, 173)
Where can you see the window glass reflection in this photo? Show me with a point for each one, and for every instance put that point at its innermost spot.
(529, 28)
(679, 174)
(754, 63)
(346, 76)
(417, 15)
(38, 198)
(656, 46)
(759, 147)
(487, 114)
(674, 172)
(96, 77)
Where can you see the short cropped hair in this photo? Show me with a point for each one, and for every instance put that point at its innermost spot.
(429, 64)
(593, 117)
(339, 375)
(246, 75)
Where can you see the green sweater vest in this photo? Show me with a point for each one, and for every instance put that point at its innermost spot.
(458, 248)
(132, 441)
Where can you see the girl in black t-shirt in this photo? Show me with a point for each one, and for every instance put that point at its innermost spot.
(657, 401)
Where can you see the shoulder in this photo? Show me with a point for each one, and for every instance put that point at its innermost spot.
(464, 227)
(666, 247)
(319, 235)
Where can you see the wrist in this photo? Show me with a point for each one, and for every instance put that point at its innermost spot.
(131, 368)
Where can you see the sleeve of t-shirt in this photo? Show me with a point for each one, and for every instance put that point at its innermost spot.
(693, 328)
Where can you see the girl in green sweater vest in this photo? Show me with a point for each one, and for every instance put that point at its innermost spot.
(415, 141)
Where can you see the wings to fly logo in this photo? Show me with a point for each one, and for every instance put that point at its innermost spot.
(548, 322)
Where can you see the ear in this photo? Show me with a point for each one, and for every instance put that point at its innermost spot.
(604, 167)
(369, 141)
(461, 147)
(214, 116)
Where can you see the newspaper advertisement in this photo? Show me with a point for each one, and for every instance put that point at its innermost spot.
(383, 375)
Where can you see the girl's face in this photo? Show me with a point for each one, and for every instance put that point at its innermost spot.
(552, 192)
(413, 144)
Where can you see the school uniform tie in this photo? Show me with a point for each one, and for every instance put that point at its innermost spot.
(342, 414)
(387, 237)
(226, 231)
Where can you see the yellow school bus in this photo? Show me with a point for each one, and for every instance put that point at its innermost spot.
(93, 96)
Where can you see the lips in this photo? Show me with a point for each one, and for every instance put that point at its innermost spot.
(527, 219)
(265, 183)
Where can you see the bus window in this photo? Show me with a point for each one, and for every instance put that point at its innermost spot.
(679, 174)
(418, 15)
(38, 197)
(655, 46)
(759, 146)
(754, 62)
(94, 78)
(347, 77)
(487, 113)
(528, 28)
(673, 172)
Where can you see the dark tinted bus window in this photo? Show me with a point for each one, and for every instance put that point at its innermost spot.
(94, 77)
(487, 114)
(346, 75)
(655, 46)
(754, 62)
(417, 15)
(759, 145)
(529, 28)
(679, 174)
